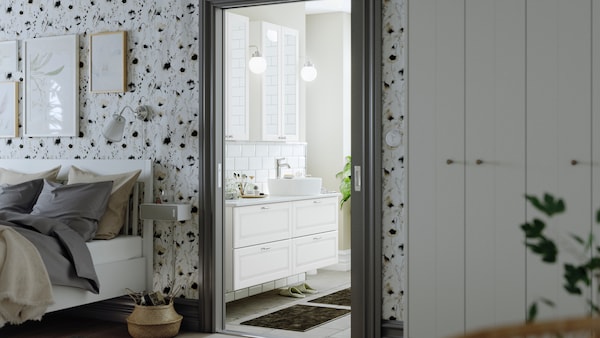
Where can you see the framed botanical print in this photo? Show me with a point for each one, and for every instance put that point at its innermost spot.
(9, 109)
(108, 67)
(51, 86)
(8, 56)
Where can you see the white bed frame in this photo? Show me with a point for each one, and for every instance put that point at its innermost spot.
(115, 277)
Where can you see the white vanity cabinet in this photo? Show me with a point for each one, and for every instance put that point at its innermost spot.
(279, 96)
(276, 239)
(236, 90)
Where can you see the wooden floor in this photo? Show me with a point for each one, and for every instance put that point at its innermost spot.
(66, 325)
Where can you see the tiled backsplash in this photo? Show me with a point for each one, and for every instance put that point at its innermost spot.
(258, 159)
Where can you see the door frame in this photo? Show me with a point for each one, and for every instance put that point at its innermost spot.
(366, 160)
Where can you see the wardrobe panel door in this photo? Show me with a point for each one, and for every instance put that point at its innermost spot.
(436, 189)
(559, 131)
(495, 162)
(596, 122)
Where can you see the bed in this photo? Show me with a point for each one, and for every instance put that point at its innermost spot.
(123, 262)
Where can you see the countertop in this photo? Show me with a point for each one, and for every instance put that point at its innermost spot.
(240, 202)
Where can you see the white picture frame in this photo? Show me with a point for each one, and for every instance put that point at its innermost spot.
(9, 109)
(51, 86)
(108, 62)
(9, 59)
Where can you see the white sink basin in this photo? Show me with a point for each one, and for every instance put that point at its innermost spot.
(295, 186)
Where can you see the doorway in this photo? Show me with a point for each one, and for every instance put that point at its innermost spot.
(276, 115)
(366, 166)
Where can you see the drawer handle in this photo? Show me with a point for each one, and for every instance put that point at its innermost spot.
(316, 238)
(574, 162)
(316, 202)
(265, 208)
(265, 249)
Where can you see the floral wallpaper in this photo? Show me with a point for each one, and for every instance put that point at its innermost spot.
(394, 175)
(163, 73)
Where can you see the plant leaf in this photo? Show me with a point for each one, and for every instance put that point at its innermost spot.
(532, 313)
(548, 206)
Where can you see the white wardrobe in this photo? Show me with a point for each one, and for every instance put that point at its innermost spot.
(503, 100)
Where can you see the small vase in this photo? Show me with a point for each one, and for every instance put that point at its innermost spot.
(160, 321)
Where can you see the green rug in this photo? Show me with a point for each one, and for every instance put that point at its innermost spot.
(341, 297)
(299, 318)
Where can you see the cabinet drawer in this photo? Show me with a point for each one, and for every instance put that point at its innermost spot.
(315, 251)
(315, 216)
(261, 223)
(261, 263)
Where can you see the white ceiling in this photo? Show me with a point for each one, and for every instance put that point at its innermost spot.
(326, 6)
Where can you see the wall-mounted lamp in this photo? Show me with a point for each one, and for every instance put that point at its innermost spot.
(113, 131)
(257, 63)
(308, 72)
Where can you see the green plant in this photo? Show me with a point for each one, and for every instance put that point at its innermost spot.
(345, 177)
(576, 276)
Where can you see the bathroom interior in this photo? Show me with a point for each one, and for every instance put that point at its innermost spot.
(287, 136)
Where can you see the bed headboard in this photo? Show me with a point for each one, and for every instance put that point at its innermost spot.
(105, 167)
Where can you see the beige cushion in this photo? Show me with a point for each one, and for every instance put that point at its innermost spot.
(113, 219)
(14, 177)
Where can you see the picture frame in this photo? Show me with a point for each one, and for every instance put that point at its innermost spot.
(9, 109)
(51, 86)
(108, 62)
(9, 59)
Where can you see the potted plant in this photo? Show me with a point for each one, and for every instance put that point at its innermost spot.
(576, 276)
(345, 177)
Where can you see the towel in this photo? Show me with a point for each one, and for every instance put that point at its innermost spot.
(25, 288)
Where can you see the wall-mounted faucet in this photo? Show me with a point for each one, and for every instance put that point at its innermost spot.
(280, 163)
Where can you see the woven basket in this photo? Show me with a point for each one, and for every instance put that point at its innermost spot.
(161, 321)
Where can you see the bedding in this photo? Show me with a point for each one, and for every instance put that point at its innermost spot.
(20, 197)
(80, 206)
(113, 219)
(25, 289)
(8, 176)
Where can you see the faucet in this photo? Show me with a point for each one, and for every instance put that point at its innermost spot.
(281, 163)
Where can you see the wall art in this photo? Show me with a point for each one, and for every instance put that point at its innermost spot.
(108, 70)
(9, 61)
(51, 86)
(9, 109)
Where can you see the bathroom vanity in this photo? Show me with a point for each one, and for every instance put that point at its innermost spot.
(279, 236)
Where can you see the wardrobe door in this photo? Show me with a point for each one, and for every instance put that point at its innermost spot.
(559, 135)
(495, 162)
(435, 168)
(596, 122)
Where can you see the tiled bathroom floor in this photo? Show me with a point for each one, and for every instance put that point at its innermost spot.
(325, 281)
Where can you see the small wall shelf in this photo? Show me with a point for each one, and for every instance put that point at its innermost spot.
(166, 211)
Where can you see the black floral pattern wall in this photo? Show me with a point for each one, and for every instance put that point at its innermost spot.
(163, 73)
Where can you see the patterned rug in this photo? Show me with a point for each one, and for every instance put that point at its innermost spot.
(299, 318)
(341, 297)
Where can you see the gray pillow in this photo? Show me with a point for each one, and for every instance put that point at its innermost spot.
(79, 205)
(20, 197)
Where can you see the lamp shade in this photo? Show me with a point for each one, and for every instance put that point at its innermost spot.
(115, 128)
(308, 72)
(257, 63)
